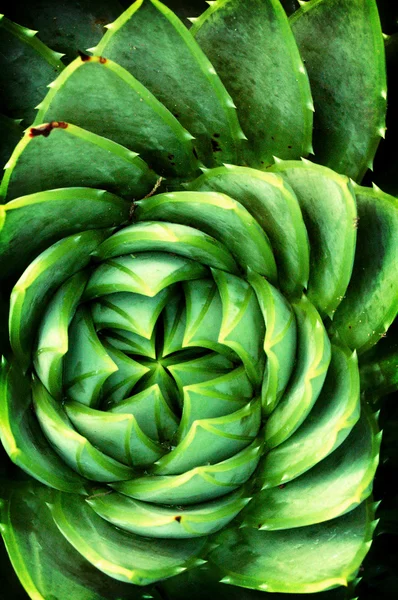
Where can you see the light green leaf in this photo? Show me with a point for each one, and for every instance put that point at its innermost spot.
(334, 486)
(172, 522)
(327, 201)
(313, 358)
(22, 437)
(274, 206)
(38, 283)
(119, 554)
(46, 564)
(221, 217)
(328, 424)
(302, 560)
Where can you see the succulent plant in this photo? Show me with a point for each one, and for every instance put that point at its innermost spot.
(193, 349)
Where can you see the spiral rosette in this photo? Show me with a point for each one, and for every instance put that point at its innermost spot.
(183, 375)
(183, 384)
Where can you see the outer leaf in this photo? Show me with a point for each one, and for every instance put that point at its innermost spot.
(342, 45)
(11, 133)
(40, 280)
(327, 202)
(371, 302)
(169, 523)
(219, 216)
(252, 48)
(101, 96)
(23, 87)
(307, 380)
(280, 341)
(334, 486)
(45, 562)
(28, 225)
(67, 27)
(22, 437)
(178, 73)
(72, 156)
(121, 555)
(305, 560)
(330, 421)
(273, 204)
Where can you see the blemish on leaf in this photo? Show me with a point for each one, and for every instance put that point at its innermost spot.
(281, 486)
(102, 60)
(178, 518)
(215, 145)
(85, 57)
(195, 153)
(47, 128)
(216, 135)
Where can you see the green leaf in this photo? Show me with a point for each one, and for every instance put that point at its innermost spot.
(28, 225)
(173, 522)
(313, 358)
(252, 48)
(59, 154)
(119, 554)
(178, 73)
(104, 98)
(46, 564)
(221, 217)
(280, 341)
(23, 87)
(212, 440)
(197, 485)
(53, 335)
(118, 435)
(169, 237)
(328, 424)
(334, 486)
(22, 437)
(342, 45)
(145, 273)
(302, 560)
(11, 133)
(67, 27)
(129, 311)
(327, 201)
(204, 582)
(371, 301)
(38, 283)
(74, 449)
(242, 327)
(87, 365)
(379, 367)
(273, 204)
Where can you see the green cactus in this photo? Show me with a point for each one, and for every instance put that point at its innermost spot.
(193, 354)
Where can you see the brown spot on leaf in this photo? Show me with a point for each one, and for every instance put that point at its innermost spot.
(215, 145)
(178, 518)
(102, 60)
(85, 57)
(47, 128)
(281, 486)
